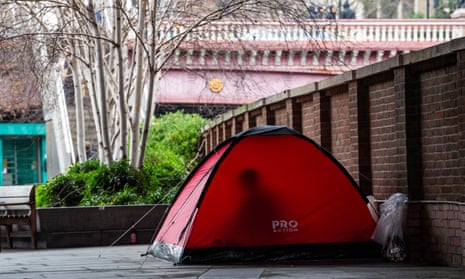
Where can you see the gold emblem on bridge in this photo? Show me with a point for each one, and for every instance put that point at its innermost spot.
(215, 85)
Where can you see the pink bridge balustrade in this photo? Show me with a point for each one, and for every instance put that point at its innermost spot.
(235, 62)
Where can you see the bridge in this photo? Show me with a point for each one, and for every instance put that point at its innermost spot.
(230, 63)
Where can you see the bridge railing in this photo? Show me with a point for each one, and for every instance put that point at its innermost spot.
(363, 30)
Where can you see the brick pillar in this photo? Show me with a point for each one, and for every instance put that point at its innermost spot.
(239, 123)
(210, 145)
(234, 124)
(246, 122)
(268, 115)
(325, 120)
(401, 173)
(316, 114)
(223, 128)
(354, 166)
(216, 138)
(360, 106)
(461, 116)
(408, 169)
(227, 132)
(413, 134)
(294, 114)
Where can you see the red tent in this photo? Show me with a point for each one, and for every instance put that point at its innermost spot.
(268, 193)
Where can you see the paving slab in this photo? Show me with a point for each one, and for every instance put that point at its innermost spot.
(126, 262)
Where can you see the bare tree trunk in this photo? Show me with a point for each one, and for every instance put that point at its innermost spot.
(123, 109)
(79, 108)
(101, 86)
(90, 86)
(154, 76)
(139, 85)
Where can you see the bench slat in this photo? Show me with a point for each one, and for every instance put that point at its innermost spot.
(16, 191)
(17, 207)
(10, 201)
(14, 216)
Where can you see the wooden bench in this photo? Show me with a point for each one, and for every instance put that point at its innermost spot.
(17, 207)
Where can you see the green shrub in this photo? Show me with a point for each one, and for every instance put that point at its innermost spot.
(170, 156)
(171, 150)
(68, 189)
(119, 183)
(177, 132)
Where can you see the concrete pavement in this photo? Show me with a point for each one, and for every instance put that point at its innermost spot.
(126, 262)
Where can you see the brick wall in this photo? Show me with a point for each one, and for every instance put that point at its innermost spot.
(383, 142)
(440, 134)
(437, 231)
(396, 126)
(339, 129)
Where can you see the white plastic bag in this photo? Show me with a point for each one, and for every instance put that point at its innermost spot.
(388, 231)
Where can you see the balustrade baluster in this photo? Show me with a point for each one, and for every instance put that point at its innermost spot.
(227, 58)
(416, 32)
(441, 34)
(379, 56)
(253, 58)
(331, 32)
(366, 57)
(277, 57)
(177, 53)
(290, 58)
(202, 57)
(286, 34)
(316, 58)
(258, 35)
(303, 58)
(422, 33)
(354, 56)
(408, 34)
(434, 33)
(341, 57)
(456, 32)
(360, 35)
(383, 32)
(266, 54)
(369, 33)
(390, 34)
(189, 55)
(240, 55)
(212, 33)
(329, 57)
(399, 32)
(214, 60)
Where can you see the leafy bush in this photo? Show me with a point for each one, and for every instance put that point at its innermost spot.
(177, 132)
(170, 156)
(171, 150)
(68, 189)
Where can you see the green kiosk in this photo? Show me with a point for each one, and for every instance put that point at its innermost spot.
(22, 150)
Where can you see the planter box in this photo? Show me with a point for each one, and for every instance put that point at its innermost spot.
(97, 226)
